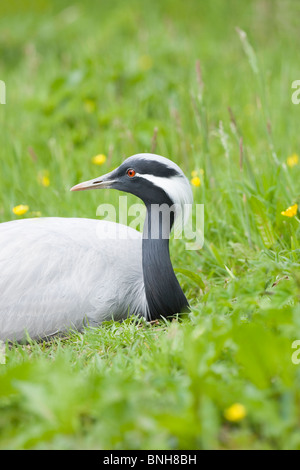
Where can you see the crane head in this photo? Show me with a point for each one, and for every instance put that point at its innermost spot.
(152, 178)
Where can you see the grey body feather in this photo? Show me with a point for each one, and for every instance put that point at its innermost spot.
(61, 273)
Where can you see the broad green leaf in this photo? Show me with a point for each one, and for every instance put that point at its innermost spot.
(191, 275)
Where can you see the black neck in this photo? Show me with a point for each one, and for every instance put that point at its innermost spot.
(163, 292)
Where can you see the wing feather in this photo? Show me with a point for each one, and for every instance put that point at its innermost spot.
(57, 273)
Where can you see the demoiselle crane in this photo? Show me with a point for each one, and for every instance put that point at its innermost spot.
(62, 273)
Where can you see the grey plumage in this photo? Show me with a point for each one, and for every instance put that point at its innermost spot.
(57, 273)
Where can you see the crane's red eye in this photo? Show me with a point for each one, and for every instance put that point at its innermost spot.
(130, 172)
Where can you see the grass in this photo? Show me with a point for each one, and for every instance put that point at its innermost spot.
(213, 80)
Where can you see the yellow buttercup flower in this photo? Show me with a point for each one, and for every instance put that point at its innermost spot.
(196, 181)
(99, 159)
(292, 160)
(90, 105)
(291, 211)
(235, 412)
(21, 209)
(44, 179)
(145, 62)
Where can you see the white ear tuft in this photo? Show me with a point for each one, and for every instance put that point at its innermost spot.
(179, 191)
